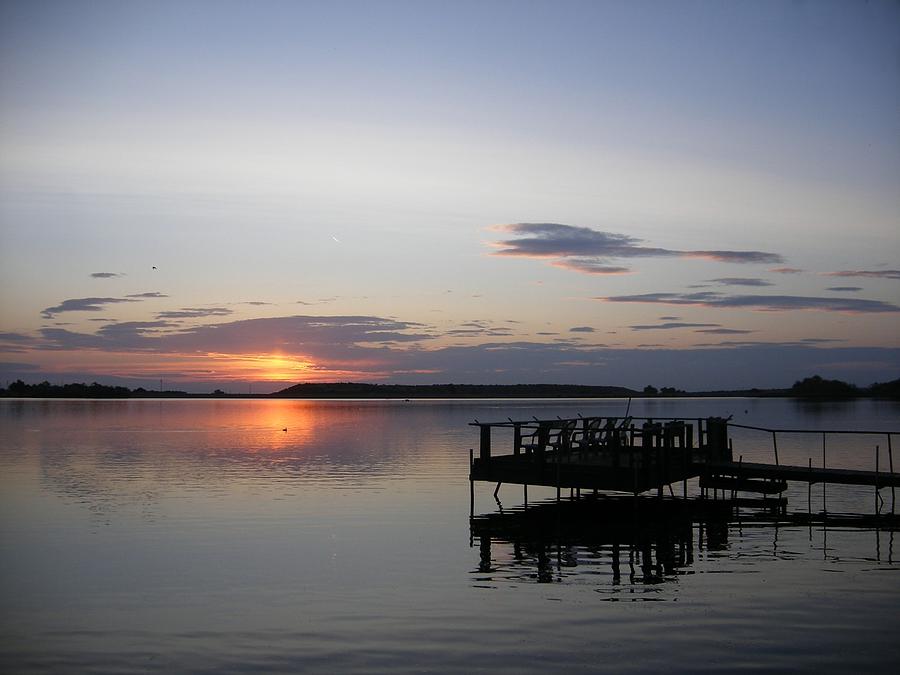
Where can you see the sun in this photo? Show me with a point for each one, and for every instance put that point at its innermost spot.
(262, 367)
(276, 367)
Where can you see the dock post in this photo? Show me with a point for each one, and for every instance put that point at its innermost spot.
(557, 477)
(809, 491)
(525, 490)
(517, 438)
(877, 509)
(775, 446)
(891, 469)
(824, 506)
(716, 438)
(484, 452)
(471, 484)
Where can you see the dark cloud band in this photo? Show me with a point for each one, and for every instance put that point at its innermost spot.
(583, 249)
(774, 303)
(870, 274)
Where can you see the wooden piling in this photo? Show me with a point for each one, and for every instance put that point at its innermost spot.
(877, 508)
(824, 505)
(809, 490)
(471, 484)
(891, 468)
(485, 449)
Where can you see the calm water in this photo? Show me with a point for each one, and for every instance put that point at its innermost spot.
(198, 536)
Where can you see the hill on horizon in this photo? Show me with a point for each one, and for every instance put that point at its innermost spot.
(361, 389)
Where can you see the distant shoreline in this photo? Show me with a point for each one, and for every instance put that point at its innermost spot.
(810, 388)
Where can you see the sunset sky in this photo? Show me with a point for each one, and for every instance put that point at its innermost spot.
(253, 194)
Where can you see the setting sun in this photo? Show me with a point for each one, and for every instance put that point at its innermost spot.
(268, 367)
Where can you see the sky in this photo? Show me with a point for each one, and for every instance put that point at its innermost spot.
(246, 195)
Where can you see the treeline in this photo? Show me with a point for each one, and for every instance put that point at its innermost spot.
(81, 390)
(817, 387)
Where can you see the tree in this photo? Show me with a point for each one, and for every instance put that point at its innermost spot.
(650, 390)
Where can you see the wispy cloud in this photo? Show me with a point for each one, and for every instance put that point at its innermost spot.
(107, 275)
(82, 305)
(583, 249)
(785, 270)
(194, 312)
(871, 274)
(741, 281)
(846, 289)
(15, 337)
(151, 294)
(581, 329)
(15, 342)
(774, 303)
(725, 331)
(673, 325)
(589, 266)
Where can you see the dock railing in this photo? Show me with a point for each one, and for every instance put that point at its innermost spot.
(556, 440)
(825, 433)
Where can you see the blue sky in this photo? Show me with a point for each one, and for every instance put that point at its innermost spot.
(234, 192)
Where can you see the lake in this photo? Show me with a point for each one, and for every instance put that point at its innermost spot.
(199, 536)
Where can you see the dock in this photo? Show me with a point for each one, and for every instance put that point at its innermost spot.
(639, 454)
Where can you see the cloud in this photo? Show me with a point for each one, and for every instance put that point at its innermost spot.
(785, 270)
(15, 342)
(151, 294)
(368, 348)
(725, 331)
(581, 329)
(848, 289)
(672, 325)
(589, 266)
(773, 303)
(15, 337)
(106, 275)
(17, 367)
(323, 339)
(872, 274)
(82, 305)
(741, 281)
(194, 313)
(479, 332)
(583, 249)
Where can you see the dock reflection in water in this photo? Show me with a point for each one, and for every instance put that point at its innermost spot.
(635, 544)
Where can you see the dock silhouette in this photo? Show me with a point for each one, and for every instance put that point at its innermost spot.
(640, 454)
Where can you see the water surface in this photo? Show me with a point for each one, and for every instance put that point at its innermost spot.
(199, 536)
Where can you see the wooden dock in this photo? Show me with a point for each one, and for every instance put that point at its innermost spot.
(636, 455)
